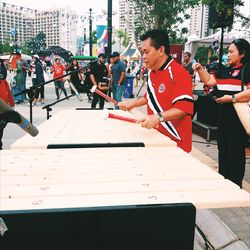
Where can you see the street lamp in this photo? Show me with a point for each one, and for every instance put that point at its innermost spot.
(90, 32)
(109, 48)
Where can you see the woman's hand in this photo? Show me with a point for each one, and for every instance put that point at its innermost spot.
(197, 66)
(225, 98)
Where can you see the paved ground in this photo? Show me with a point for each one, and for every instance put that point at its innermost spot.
(237, 219)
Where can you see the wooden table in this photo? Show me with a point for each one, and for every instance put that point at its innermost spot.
(88, 126)
(65, 178)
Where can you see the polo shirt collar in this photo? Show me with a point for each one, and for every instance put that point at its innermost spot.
(166, 63)
(238, 66)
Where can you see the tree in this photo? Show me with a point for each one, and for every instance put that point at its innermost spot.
(37, 43)
(228, 8)
(163, 14)
(171, 14)
(123, 37)
(6, 48)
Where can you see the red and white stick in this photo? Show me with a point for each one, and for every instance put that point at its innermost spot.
(97, 91)
(118, 117)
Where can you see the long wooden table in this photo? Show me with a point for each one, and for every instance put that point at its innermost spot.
(66, 178)
(88, 126)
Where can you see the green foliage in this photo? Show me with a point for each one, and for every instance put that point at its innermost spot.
(123, 37)
(37, 43)
(171, 14)
(225, 9)
(5, 48)
(202, 55)
(163, 14)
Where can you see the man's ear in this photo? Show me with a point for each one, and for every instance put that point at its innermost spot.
(162, 50)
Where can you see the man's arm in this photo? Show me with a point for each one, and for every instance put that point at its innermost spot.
(92, 78)
(122, 76)
(126, 106)
(153, 121)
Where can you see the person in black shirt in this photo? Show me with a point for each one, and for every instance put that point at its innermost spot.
(75, 77)
(97, 75)
(231, 135)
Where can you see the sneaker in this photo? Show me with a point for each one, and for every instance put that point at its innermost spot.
(34, 104)
(19, 102)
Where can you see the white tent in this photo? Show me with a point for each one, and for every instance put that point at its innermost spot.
(131, 52)
(194, 43)
(23, 56)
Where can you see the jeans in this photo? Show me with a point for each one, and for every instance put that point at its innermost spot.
(60, 85)
(118, 92)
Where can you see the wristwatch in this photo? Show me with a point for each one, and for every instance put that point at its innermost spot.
(233, 98)
(161, 118)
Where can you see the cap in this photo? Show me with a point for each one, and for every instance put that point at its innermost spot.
(36, 56)
(114, 54)
(101, 55)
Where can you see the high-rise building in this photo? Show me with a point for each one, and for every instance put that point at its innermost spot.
(127, 17)
(199, 21)
(19, 24)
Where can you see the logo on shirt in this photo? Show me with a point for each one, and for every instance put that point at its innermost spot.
(162, 88)
(236, 72)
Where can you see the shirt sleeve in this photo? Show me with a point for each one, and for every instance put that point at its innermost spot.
(182, 90)
(122, 67)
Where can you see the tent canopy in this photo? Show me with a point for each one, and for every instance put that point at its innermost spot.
(194, 43)
(131, 52)
(23, 57)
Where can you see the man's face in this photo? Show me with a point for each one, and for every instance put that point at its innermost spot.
(115, 59)
(101, 59)
(186, 58)
(151, 56)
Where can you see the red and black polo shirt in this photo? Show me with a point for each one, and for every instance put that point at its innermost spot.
(171, 87)
(229, 80)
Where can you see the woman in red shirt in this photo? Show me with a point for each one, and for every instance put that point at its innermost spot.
(5, 95)
(58, 70)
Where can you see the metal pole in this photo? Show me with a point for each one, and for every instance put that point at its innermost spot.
(16, 39)
(221, 45)
(109, 48)
(90, 32)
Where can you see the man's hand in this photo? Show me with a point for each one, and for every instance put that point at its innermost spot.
(149, 121)
(125, 106)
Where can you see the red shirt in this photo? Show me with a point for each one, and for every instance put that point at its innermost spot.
(58, 70)
(171, 87)
(5, 93)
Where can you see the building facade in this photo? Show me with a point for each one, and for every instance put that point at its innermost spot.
(199, 21)
(127, 17)
(19, 24)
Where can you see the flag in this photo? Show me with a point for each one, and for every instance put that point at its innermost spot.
(102, 38)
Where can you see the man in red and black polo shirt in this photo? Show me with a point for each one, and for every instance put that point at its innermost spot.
(169, 96)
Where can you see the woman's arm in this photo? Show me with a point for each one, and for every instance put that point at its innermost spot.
(204, 75)
(243, 96)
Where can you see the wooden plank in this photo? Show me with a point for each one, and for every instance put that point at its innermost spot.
(112, 176)
(201, 199)
(84, 127)
(63, 189)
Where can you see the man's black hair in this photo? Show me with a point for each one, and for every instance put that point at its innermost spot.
(158, 38)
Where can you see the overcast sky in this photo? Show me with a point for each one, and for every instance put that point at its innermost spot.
(81, 7)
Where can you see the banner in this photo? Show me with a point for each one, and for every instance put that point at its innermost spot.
(102, 38)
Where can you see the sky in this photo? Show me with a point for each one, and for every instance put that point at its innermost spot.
(81, 7)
